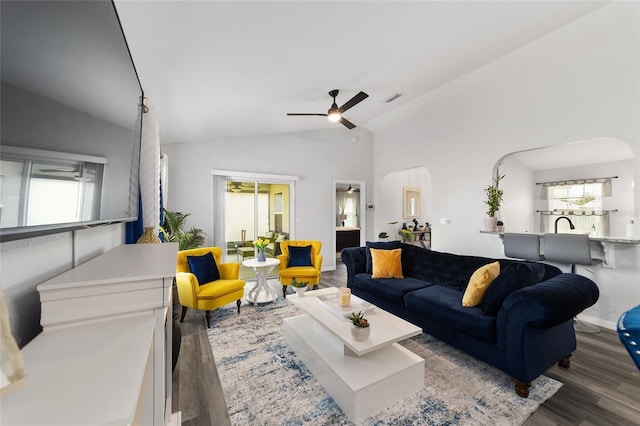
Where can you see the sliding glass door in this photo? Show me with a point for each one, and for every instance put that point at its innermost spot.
(253, 207)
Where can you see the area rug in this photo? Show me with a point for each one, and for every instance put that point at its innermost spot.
(265, 383)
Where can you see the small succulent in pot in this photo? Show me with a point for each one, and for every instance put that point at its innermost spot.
(358, 320)
(299, 284)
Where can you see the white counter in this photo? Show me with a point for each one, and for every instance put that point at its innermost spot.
(607, 239)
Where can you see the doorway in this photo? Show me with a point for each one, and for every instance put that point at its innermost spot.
(349, 215)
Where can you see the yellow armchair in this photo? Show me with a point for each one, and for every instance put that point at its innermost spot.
(210, 295)
(300, 273)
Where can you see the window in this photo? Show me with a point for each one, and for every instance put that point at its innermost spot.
(581, 201)
(37, 190)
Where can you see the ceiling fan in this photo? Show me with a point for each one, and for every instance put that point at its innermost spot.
(241, 187)
(334, 113)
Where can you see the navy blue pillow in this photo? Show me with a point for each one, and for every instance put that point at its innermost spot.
(384, 245)
(204, 268)
(299, 256)
(514, 277)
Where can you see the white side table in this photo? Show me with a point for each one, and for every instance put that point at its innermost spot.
(261, 293)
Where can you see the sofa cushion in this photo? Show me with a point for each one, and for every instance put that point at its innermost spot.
(299, 256)
(444, 305)
(514, 277)
(386, 263)
(445, 269)
(479, 282)
(379, 245)
(204, 268)
(390, 289)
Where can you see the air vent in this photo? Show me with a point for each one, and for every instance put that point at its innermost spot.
(393, 97)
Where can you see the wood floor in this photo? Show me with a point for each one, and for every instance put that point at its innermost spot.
(602, 387)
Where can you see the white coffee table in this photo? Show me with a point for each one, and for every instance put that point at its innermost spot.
(261, 293)
(362, 377)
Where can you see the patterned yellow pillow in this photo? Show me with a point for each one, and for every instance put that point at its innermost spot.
(386, 263)
(479, 283)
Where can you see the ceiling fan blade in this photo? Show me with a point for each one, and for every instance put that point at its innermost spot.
(346, 123)
(304, 113)
(353, 101)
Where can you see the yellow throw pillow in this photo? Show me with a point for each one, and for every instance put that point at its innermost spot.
(386, 263)
(479, 283)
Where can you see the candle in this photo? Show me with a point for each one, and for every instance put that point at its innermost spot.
(345, 297)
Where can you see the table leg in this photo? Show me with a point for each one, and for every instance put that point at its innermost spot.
(261, 284)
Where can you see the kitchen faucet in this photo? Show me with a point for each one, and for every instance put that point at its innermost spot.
(555, 229)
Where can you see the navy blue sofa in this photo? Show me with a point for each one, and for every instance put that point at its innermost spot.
(523, 326)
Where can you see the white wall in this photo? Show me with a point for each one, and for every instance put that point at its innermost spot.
(579, 82)
(518, 209)
(317, 157)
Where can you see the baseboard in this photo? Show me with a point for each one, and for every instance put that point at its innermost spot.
(599, 322)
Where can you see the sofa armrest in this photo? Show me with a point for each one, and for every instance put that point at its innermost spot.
(355, 259)
(545, 305)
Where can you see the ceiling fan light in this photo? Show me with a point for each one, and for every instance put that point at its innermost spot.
(350, 190)
(334, 116)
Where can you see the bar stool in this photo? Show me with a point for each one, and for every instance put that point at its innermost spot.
(574, 249)
(522, 246)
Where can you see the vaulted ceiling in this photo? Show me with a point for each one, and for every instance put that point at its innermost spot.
(226, 69)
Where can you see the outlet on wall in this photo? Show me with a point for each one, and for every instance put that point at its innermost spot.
(445, 221)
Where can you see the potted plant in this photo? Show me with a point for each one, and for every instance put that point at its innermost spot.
(493, 201)
(299, 286)
(406, 235)
(360, 329)
(383, 236)
(172, 231)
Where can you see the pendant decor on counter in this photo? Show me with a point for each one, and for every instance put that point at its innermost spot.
(149, 236)
(261, 256)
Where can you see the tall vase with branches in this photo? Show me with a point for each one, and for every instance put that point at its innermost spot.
(173, 231)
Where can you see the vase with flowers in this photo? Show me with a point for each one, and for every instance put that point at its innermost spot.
(261, 244)
(360, 329)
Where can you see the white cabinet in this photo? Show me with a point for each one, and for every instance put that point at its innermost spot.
(104, 356)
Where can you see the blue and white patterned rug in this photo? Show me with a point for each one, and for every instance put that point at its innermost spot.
(265, 383)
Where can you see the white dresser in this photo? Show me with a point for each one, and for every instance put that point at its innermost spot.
(104, 357)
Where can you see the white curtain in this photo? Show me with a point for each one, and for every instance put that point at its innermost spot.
(600, 187)
(356, 202)
(341, 199)
(150, 170)
(164, 177)
(219, 191)
(134, 179)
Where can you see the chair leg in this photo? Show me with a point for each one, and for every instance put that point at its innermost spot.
(207, 315)
(238, 303)
(184, 312)
(284, 291)
(565, 362)
(522, 389)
